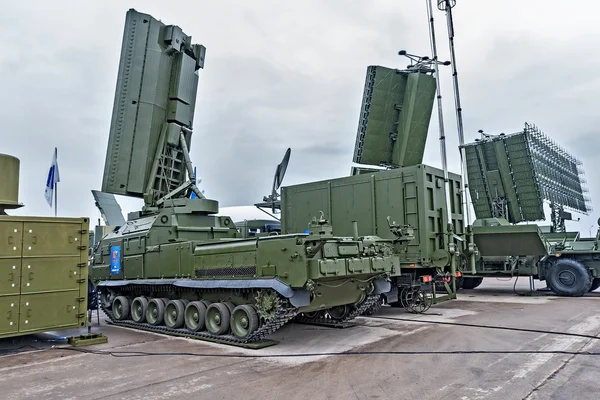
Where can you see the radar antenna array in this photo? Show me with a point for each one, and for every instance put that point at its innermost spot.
(395, 113)
(512, 175)
(148, 153)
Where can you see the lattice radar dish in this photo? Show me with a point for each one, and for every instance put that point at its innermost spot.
(511, 175)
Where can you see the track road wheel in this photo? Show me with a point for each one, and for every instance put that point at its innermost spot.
(155, 312)
(595, 284)
(120, 307)
(206, 303)
(195, 313)
(174, 314)
(217, 318)
(107, 299)
(568, 278)
(139, 305)
(230, 306)
(340, 312)
(244, 321)
(471, 283)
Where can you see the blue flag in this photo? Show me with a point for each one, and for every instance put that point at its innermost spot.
(53, 178)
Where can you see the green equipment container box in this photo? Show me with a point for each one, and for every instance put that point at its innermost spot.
(43, 274)
(410, 195)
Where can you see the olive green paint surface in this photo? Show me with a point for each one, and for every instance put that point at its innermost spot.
(394, 119)
(409, 196)
(155, 96)
(328, 263)
(43, 274)
(503, 168)
(509, 240)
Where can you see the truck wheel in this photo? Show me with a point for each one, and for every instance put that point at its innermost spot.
(471, 283)
(568, 278)
(595, 284)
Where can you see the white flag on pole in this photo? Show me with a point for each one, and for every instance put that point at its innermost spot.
(53, 178)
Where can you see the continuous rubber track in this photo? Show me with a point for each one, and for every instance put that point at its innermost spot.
(282, 316)
(285, 313)
(374, 309)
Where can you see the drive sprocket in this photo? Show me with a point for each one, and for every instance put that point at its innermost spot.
(267, 304)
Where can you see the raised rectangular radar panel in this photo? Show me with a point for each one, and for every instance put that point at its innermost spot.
(109, 208)
(394, 119)
(153, 113)
(511, 175)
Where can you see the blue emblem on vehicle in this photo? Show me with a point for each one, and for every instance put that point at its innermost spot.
(115, 260)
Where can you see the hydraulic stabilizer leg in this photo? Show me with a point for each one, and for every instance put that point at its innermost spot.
(188, 164)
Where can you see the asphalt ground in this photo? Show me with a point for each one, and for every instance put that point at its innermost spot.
(40, 367)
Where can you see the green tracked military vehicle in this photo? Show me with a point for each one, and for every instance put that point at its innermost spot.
(258, 227)
(239, 290)
(177, 267)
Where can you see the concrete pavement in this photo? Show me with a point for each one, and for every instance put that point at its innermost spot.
(66, 374)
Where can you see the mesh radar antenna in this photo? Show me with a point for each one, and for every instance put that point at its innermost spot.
(151, 128)
(512, 175)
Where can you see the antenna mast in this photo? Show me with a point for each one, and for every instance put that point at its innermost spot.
(447, 5)
(440, 113)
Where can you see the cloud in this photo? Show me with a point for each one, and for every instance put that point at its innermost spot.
(281, 75)
(253, 122)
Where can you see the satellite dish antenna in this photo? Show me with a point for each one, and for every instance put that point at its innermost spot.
(278, 178)
(281, 168)
(272, 200)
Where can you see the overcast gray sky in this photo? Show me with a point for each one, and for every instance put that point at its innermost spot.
(284, 74)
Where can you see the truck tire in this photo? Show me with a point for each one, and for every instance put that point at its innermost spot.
(471, 283)
(595, 284)
(567, 277)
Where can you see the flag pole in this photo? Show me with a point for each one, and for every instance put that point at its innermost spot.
(56, 188)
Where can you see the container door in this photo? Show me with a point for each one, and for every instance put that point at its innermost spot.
(11, 234)
(9, 315)
(52, 286)
(49, 311)
(50, 274)
(10, 276)
(52, 239)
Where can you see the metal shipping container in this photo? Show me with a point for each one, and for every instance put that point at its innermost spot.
(43, 274)
(411, 195)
